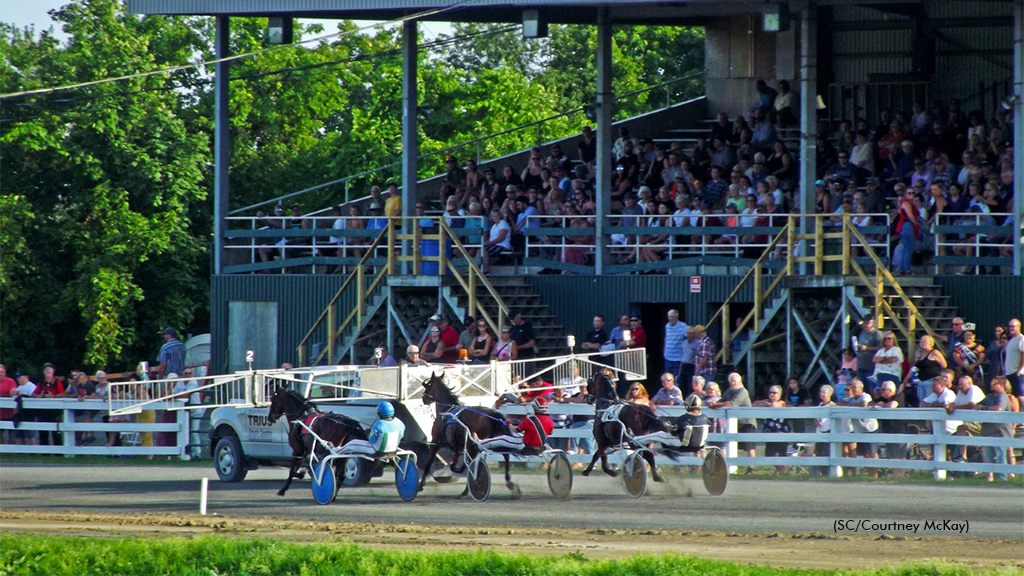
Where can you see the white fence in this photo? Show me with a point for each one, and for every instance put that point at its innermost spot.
(834, 463)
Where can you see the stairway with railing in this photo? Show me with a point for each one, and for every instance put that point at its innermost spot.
(385, 268)
(810, 309)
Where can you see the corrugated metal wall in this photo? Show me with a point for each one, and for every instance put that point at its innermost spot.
(300, 300)
(575, 299)
(985, 300)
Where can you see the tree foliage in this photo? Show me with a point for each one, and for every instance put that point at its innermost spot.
(105, 219)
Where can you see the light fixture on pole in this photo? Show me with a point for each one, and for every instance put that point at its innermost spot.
(627, 336)
(571, 341)
(1008, 102)
(533, 27)
(279, 30)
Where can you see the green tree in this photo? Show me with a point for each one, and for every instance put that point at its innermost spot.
(103, 186)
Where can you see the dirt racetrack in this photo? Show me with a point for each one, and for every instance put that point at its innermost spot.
(782, 523)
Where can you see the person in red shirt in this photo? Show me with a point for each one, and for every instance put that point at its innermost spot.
(50, 387)
(531, 436)
(7, 386)
(450, 338)
(637, 334)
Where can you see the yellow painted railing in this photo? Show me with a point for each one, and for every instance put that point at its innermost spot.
(845, 232)
(364, 280)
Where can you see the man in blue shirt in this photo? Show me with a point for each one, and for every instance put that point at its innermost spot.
(172, 354)
(675, 333)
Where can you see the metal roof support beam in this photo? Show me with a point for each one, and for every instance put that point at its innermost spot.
(1018, 134)
(808, 120)
(221, 143)
(605, 137)
(410, 144)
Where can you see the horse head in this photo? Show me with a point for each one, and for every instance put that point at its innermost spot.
(602, 386)
(435, 390)
(285, 402)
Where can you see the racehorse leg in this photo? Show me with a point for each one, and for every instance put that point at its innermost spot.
(597, 454)
(427, 463)
(293, 472)
(517, 494)
(649, 457)
(299, 449)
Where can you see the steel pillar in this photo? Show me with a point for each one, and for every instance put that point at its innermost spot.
(808, 121)
(221, 142)
(1018, 135)
(605, 137)
(410, 144)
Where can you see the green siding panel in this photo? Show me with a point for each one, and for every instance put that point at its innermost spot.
(985, 300)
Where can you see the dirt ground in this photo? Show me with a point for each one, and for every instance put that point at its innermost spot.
(797, 550)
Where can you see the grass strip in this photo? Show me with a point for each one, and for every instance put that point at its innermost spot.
(214, 556)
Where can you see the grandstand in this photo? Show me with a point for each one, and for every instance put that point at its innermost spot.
(782, 285)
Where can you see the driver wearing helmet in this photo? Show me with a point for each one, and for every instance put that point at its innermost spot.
(536, 427)
(387, 432)
(692, 428)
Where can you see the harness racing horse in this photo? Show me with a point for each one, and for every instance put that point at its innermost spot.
(632, 419)
(453, 421)
(333, 428)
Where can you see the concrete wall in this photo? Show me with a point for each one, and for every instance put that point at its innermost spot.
(737, 53)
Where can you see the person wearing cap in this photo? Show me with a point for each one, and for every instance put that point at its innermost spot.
(921, 173)
(454, 181)
(450, 338)
(172, 354)
(637, 334)
(393, 204)
(433, 348)
(468, 334)
(704, 356)
(377, 220)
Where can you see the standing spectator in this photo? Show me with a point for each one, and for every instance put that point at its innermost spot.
(49, 387)
(868, 342)
(956, 336)
(8, 388)
(25, 388)
(888, 362)
(766, 94)
(704, 356)
(688, 349)
(587, 147)
(1013, 360)
(823, 426)
(637, 334)
(858, 397)
(615, 338)
(482, 343)
(969, 357)
(996, 401)
(454, 181)
(523, 335)
(434, 348)
(450, 337)
(669, 395)
(393, 204)
(467, 336)
(994, 354)
(929, 363)
(172, 354)
(893, 450)
(774, 426)
(736, 395)
(675, 334)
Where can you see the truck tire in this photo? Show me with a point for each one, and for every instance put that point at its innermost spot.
(355, 472)
(229, 460)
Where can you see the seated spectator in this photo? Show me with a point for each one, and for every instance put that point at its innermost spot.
(499, 240)
(638, 394)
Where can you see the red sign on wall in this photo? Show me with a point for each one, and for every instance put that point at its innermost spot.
(694, 284)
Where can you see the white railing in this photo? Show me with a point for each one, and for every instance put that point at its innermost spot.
(832, 464)
(639, 239)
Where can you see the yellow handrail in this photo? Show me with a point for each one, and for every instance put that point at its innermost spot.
(469, 284)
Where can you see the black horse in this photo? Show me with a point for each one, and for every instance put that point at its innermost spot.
(637, 419)
(482, 422)
(334, 428)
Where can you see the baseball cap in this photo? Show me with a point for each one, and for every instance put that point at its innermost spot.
(375, 206)
(170, 331)
(435, 317)
(819, 183)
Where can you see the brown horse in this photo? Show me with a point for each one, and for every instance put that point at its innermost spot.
(637, 419)
(451, 423)
(333, 428)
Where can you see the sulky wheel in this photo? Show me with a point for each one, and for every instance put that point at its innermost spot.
(326, 489)
(478, 479)
(634, 475)
(560, 476)
(407, 477)
(715, 471)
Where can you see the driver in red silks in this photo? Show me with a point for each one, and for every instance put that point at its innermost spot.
(531, 435)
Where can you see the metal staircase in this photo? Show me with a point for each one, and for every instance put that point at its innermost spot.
(801, 322)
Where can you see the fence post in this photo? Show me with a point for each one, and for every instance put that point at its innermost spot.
(835, 450)
(69, 436)
(183, 437)
(732, 427)
(939, 450)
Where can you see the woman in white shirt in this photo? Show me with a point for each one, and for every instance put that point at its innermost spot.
(888, 362)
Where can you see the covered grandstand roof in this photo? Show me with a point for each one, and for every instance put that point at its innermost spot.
(552, 11)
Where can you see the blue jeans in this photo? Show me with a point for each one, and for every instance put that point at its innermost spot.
(587, 441)
(996, 455)
(907, 241)
(924, 388)
(672, 367)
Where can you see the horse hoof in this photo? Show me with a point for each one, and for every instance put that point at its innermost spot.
(517, 494)
(280, 493)
(585, 473)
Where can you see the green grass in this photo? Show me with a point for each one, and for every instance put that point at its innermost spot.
(212, 556)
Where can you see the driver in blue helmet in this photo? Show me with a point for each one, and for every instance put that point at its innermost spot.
(387, 432)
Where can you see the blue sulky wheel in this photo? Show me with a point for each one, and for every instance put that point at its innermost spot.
(407, 477)
(326, 489)
(634, 475)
